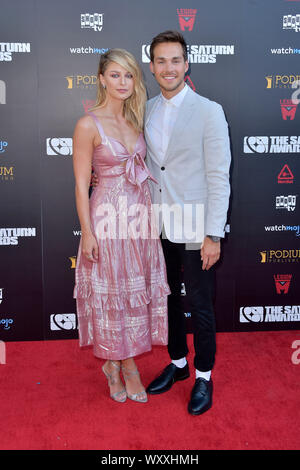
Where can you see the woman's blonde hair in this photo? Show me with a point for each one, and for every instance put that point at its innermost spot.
(134, 106)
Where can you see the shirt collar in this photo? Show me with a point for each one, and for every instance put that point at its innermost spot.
(177, 99)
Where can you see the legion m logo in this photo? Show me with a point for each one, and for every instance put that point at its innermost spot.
(288, 109)
(186, 18)
(282, 283)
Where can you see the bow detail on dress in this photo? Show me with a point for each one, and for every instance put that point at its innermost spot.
(136, 170)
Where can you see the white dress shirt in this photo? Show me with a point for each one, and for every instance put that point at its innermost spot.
(162, 122)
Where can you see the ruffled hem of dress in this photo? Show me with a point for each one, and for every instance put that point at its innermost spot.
(122, 300)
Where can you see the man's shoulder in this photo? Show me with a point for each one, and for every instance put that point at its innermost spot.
(151, 101)
(204, 101)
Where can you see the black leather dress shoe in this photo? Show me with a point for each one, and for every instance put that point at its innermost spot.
(201, 396)
(167, 378)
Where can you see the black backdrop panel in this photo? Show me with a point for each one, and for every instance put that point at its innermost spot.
(243, 54)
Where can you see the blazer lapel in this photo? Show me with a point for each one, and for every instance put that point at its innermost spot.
(183, 118)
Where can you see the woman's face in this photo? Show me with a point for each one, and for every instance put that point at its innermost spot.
(119, 83)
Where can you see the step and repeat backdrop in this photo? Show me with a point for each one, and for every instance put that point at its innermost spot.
(243, 54)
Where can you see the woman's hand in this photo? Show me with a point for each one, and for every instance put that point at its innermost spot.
(210, 253)
(90, 247)
(94, 180)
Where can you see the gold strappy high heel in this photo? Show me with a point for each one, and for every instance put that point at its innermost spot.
(120, 396)
(140, 397)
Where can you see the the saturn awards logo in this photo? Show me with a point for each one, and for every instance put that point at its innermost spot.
(63, 321)
(272, 144)
(62, 146)
(270, 314)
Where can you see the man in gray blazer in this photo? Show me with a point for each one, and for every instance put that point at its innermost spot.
(188, 153)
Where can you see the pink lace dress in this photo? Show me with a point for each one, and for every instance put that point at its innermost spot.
(122, 300)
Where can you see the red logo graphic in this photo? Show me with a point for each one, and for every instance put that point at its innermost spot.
(186, 18)
(288, 109)
(189, 82)
(282, 283)
(285, 176)
(87, 104)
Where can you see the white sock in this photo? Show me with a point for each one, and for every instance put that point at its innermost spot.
(180, 362)
(204, 375)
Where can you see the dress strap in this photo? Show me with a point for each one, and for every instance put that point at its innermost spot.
(99, 127)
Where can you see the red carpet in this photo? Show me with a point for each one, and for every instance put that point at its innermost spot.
(53, 396)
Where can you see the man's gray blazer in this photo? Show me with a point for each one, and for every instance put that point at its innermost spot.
(194, 175)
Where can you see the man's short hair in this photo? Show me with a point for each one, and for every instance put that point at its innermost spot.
(168, 36)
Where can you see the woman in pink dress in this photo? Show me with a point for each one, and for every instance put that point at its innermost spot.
(121, 285)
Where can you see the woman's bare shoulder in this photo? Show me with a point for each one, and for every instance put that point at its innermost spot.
(85, 122)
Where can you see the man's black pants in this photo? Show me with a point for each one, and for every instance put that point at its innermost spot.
(199, 285)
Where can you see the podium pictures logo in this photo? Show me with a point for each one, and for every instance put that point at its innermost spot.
(186, 17)
(6, 173)
(81, 81)
(281, 81)
(280, 256)
(62, 146)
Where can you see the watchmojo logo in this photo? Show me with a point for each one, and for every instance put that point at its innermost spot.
(3, 146)
(6, 323)
(186, 17)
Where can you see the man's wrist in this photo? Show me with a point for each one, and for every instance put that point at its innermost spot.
(214, 238)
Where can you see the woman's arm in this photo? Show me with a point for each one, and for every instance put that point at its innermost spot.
(83, 147)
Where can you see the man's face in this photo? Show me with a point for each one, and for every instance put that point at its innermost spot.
(169, 67)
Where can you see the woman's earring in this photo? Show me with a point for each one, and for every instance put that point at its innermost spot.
(104, 86)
